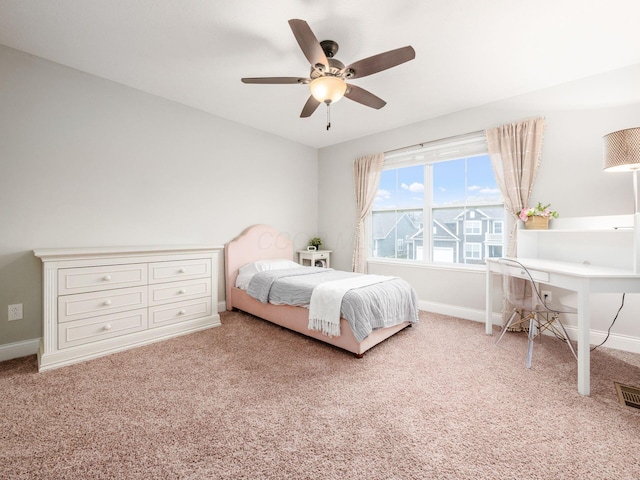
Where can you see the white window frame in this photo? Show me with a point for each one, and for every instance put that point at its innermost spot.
(452, 148)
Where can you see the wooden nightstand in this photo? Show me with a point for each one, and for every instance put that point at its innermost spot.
(318, 258)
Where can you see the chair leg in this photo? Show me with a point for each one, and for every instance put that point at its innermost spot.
(567, 339)
(506, 327)
(532, 325)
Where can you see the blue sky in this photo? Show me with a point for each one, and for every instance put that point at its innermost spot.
(405, 187)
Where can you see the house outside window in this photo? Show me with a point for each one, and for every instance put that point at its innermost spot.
(449, 186)
(472, 251)
(472, 227)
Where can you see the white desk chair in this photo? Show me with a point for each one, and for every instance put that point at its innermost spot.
(521, 291)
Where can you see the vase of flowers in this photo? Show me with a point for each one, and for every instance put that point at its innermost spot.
(537, 218)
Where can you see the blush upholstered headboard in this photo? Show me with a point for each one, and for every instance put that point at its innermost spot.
(258, 242)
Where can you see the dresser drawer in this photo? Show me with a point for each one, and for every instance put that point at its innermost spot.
(179, 270)
(80, 332)
(92, 279)
(161, 293)
(179, 312)
(83, 305)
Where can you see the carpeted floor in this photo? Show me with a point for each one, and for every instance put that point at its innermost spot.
(251, 400)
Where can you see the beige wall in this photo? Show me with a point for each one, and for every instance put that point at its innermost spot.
(88, 162)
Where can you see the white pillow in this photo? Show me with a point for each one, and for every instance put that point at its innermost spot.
(246, 272)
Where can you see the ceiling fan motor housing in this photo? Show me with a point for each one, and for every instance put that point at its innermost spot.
(336, 69)
(329, 47)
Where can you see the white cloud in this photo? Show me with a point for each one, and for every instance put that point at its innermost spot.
(383, 195)
(473, 188)
(414, 187)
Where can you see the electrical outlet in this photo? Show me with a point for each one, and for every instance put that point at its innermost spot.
(546, 296)
(15, 312)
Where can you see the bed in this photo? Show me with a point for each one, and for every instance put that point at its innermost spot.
(264, 243)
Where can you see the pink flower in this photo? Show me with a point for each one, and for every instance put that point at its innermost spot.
(537, 211)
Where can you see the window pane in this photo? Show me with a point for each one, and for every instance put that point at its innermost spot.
(400, 188)
(467, 205)
(397, 214)
(482, 187)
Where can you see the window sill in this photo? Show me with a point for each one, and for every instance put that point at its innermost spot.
(427, 265)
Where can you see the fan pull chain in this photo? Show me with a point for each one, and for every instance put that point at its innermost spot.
(328, 116)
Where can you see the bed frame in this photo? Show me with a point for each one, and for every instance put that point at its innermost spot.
(261, 242)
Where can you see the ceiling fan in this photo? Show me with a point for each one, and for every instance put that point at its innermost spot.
(327, 80)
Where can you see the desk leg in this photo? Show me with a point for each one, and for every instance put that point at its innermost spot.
(584, 347)
(489, 304)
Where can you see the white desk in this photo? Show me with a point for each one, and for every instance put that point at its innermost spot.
(583, 279)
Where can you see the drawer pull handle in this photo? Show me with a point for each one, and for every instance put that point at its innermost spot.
(107, 303)
(182, 312)
(182, 270)
(182, 291)
(107, 327)
(106, 278)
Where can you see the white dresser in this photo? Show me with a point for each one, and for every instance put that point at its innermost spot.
(98, 301)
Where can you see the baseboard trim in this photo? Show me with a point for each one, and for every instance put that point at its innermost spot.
(615, 341)
(457, 311)
(19, 349)
(618, 342)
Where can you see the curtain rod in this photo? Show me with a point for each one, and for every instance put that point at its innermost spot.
(437, 140)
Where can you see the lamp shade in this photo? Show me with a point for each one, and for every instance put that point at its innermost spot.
(328, 89)
(622, 150)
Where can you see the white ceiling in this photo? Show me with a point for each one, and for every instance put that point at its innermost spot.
(468, 52)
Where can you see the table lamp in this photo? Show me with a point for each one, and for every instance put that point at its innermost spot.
(622, 154)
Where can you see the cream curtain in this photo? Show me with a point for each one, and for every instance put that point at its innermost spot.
(515, 151)
(366, 173)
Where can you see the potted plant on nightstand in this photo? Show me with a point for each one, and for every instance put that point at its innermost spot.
(537, 218)
(316, 243)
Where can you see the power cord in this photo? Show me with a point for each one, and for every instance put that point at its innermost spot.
(610, 326)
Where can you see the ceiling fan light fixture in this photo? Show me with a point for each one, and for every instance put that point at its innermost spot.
(328, 89)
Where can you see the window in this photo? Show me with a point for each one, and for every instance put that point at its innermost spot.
(472, 227)
(472, 250)
(439, 203)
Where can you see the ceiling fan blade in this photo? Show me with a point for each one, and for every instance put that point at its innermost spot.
(275, 80)
(308, 42)
(380, 62)
(309, 107)
(364, 97)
